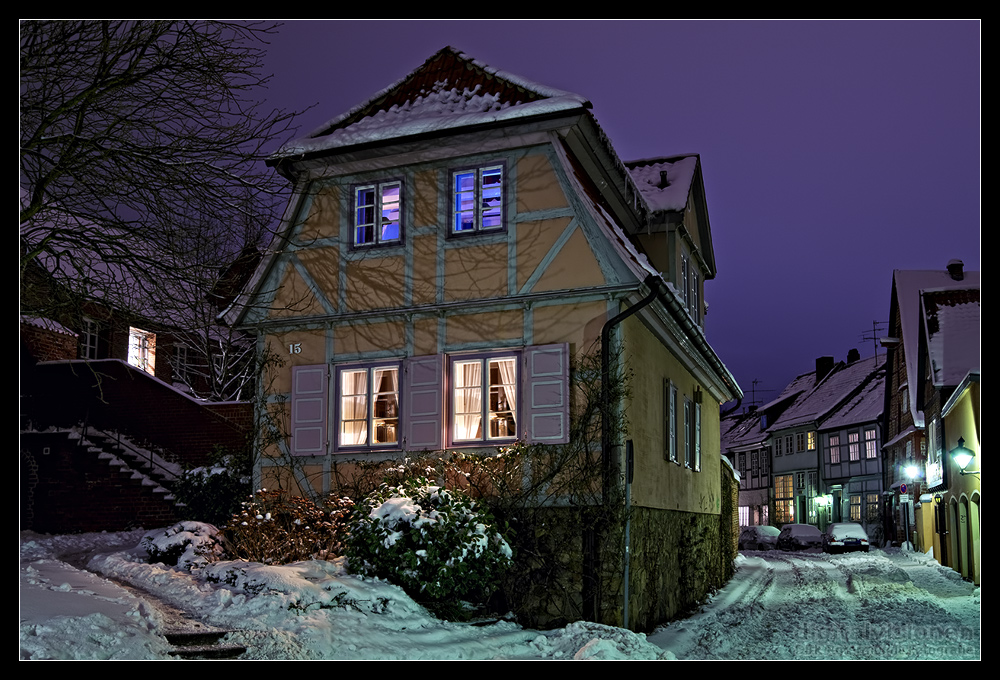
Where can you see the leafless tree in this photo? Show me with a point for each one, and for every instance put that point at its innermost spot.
(127, 130)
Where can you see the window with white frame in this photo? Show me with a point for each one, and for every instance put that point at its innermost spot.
(181, 364)
(484, 398)
(89, 339)
(833, 448)
(477, 199)
(688, 438)
(669, 420)
(672, 422)
(744, 515)
(142, 350)
(697, 437)
(800, 441)
(378, 214)
(854, 446)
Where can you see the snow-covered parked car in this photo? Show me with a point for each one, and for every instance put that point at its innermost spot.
(759, 538)
(843, 536)
(799, 537)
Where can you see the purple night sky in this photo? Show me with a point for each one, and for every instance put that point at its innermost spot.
(833, 151)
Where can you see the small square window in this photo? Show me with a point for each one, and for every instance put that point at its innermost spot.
(477, 200)
(378, 214)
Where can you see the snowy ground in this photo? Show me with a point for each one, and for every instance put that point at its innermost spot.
(878, 605)
(884, 605)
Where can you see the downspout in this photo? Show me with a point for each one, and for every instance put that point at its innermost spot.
(654, 284)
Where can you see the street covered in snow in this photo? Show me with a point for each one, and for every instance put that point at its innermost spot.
(878, 605)
(810, 605)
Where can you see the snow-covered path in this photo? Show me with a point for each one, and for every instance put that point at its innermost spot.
(880, 605)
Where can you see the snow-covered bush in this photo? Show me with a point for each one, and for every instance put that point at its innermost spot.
(188, 545)
(274, 529)
(214, 492)
(435, 543)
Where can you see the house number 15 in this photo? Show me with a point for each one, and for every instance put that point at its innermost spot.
(295, 348)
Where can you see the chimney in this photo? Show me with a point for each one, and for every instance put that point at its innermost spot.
(853, 355)
(664, 182)
(955, 269)
(823, 366)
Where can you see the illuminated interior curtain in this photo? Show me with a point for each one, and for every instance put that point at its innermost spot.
(385, 418)
(468, 400)
(354, 408)
(507, 395)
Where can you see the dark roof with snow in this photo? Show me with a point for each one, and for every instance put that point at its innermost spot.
(449, 90)
(823, 401)
(951, 322)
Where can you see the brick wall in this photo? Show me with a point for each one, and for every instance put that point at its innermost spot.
(67, 488)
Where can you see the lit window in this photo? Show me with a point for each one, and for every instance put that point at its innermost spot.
(142, 350)
(784, 501)
(484, 390)
(855, 507)
(834, 454)
(871, 508)
(811, 441)
(369, 406)
(854, 445)
(477, 200)
(377, 214)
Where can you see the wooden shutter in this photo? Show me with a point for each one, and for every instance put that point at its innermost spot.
(309, 407)
(545, 394)
(423, 403)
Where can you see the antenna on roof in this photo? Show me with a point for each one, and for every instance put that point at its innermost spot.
(753, 393)
(874, 335)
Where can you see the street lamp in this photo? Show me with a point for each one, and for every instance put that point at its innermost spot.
(962, 457)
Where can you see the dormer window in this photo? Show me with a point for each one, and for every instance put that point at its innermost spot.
(477, 200)
(378, 214)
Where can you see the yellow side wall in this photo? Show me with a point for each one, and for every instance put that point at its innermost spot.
(660, 483)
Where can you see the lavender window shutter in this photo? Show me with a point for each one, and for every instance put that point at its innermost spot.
(423, 403)
(309, 395)
(546, 394)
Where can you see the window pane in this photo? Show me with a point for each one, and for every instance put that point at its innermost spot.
(385, 407)
(468, 398)
(390, 213)
(354, 407)
(503, 397)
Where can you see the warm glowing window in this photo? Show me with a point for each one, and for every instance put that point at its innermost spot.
(369, 406)
(142, 350)
(484, 391)
(811, 441)
(784, 499)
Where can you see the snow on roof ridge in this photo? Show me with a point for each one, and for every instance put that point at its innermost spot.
(328, 130)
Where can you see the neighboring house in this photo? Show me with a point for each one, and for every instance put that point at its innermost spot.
(825, 463)
(744, 444)
(455, 246)
(115, 399)
(948, 393)
(905, 439)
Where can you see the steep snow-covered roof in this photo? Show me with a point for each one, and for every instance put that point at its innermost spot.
(820, 402)
(450, 90)
(865, 406)
(665, 191)
(47, 324)
(951, 319)
(907, 284)
(742, 430)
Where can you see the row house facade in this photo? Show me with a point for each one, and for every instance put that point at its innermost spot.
(909, 474)
(823, 436)
(949, 396)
